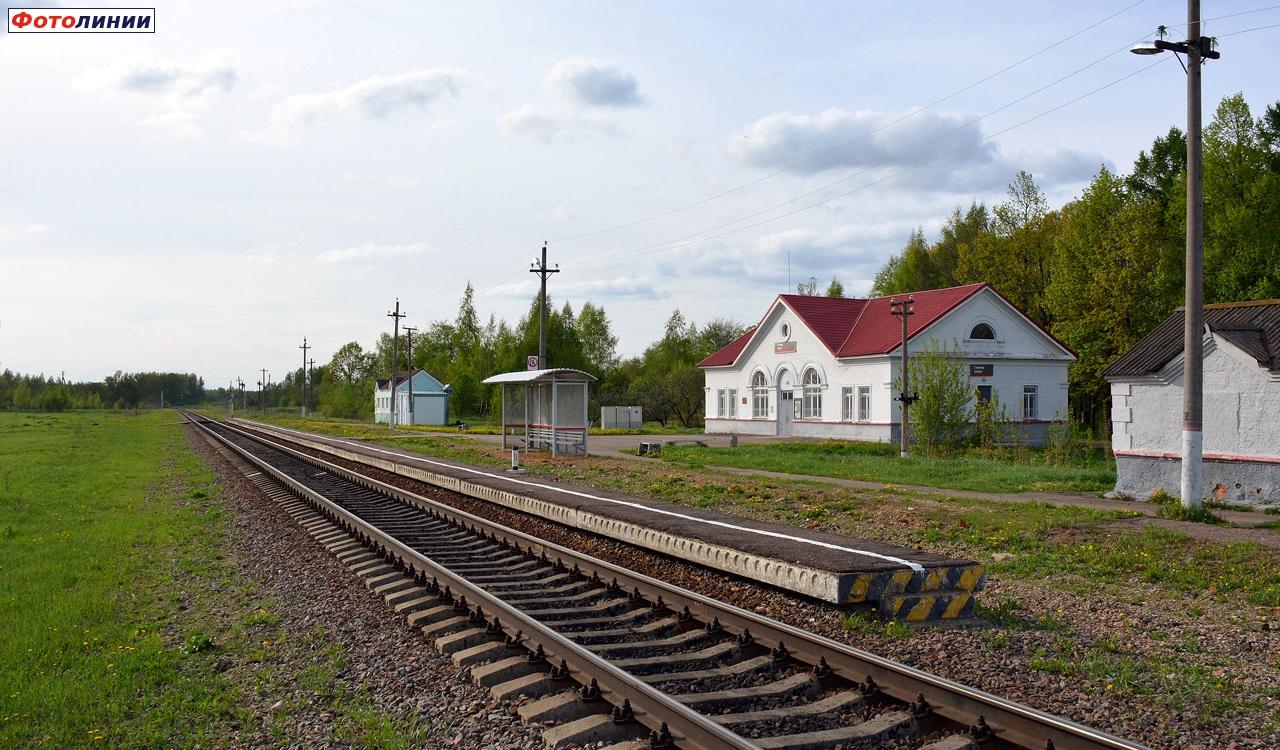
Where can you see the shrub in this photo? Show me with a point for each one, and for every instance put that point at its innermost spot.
(940, 418)
(991, 422)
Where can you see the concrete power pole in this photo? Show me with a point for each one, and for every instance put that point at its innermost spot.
(1192, 484)
(408, 340)
(395, 345)
(543, 272)
(1197, 48)
(302, 377)
(904, 309)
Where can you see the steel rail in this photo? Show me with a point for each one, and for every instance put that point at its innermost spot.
(651, 707)
(1011, 721)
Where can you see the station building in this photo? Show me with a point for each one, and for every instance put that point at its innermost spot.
(825, 367)
(430, 399)
(1241, 406)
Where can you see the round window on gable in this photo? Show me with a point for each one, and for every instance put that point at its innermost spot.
(983, 331)
(786, 331)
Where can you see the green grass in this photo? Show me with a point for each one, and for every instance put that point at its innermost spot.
(1023, 471)
(116, 599)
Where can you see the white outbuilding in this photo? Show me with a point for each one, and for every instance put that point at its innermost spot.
(826, 367)
(1241, 406)
(430, 399)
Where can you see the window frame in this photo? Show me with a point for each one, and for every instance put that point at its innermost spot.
(864, 415)
(731, 397)
(720, 402)
(989, 327)
(811, 393)
(1034, 392)
(759, 396)
(846, 403)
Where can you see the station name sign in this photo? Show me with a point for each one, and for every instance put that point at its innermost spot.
(784, 347)
(981, 371)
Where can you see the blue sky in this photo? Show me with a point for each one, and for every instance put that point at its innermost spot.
(201, 198)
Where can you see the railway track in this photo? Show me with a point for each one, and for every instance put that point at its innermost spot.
(604, 653)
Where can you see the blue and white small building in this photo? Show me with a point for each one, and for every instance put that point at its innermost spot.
(430, 399)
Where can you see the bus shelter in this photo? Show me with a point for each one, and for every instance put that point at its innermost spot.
(547, 407)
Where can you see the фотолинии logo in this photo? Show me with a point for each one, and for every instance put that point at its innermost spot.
(82, 20)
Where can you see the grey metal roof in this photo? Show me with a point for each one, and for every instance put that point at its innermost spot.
(562, 374)
(1252, 326)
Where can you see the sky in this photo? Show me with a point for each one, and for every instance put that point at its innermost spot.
(202, 198)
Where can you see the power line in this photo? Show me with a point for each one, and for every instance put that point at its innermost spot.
(497, 268)
(1228, 15)
(689, 238)
(658, 249)
(851, 141)
(1246, 31)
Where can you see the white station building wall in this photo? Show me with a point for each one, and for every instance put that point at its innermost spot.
(1021, 355)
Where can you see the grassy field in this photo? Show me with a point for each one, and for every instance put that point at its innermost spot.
(116, 598)
(1022, 471)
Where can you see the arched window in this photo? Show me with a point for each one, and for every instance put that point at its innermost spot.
(812, 408)
(759, 396)
(983, 331)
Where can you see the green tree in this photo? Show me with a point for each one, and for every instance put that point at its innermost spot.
(940, 419)
(835, 288)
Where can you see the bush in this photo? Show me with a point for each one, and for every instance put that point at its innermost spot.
(1066, 443)
(940, 419)
(991, 422)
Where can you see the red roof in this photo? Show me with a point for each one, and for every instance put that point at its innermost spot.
(852, 327)
(878, 332)
(829, 318)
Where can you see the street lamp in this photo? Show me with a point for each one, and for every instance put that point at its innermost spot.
(1196, 48)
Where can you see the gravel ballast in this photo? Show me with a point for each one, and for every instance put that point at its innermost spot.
(1028, 659)
(391, 666)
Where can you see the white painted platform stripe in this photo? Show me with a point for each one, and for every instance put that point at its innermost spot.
(915, 566)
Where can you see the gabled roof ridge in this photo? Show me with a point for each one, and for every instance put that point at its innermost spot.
(923, 291)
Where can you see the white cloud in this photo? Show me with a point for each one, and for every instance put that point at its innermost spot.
(369, 250)
(371, 99)
(216, 72)
(553, 126)
(38, 229)
(943, 151)
(594, 82)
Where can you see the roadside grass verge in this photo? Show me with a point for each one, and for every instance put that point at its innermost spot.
(121, 622)
(1013, 471)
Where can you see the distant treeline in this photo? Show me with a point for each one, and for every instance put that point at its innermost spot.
(119, 391)
(1104, 269)
(462, 352)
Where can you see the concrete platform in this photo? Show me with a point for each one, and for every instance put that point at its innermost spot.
(825, 566)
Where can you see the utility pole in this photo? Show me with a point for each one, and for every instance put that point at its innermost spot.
(408, 338)
(1197, 48)
(1192, 480)
(302, 377)
(395, 345)
(904, 310)
(543, 272)
(262, 393)
(311, 367)
(244, 397)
